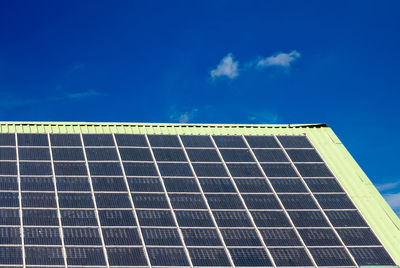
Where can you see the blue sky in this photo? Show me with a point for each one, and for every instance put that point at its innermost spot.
(211, 62)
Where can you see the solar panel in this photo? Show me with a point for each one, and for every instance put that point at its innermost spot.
(130, 200)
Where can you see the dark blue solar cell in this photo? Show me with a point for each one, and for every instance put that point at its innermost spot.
(150, 200)
(117, 218)
(270, 219)
(161, 236)
(167, 257)
(73, 200)
(210, 170)
(145, 185)
(217, 185)
(244, 170)
(34, 154)
(236, 155)
(201, 237)
(121, 236)
(345, 219)
(171, 155)
(181, 185)
(308, 219)
(304, 156)
(174, 169)
(288, 186)
(9, 183)
(70, 169)
(297, 201)
(313, 170)
(81, 236)
(194, 219)
(8, 153)
(209, 257)
(101, 154)
(224, 201)
(135, 154)
(371, 256)
(155, 218)
(32, 140)
(196, 141)
(98, 139)
(9, 217)
(40, 217)
(290, 257)
(9, 199)
(164, 141)
(45, 200)
(113, 201)
(78, 218)
(262, 141)
(294, 142)
(65, 140)
(358, 237)
(140, 169)
(85, 256)
(331, 257)
(240, 237)
(253, 186)
(232, 218)
(37, 184)
(8, 168)
(77, 184)
(203, 155)
(187, 201)
(279, 170)
(7, 139)
(319, 237)
(112, 184)
(44, 255)
(229, 141)
(35, 168)
(261, 201)
(280, 237)
(334, 201)
(275, 155)
(126, 256)
(42, 236)
(247, 257)
(323, 185)
(130, 140)
(10, 235)
(105, 169)
(10, 255)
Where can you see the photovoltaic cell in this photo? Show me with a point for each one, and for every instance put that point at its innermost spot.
(131, 140)
(279, 170)
(44, 255)
(187, 201)
(208, 257)
(81, 236)
(371, 256)
(275, 155)
(253, 186)
(164, 141)
(34, 154)
(224, 201)
(7, 139)
(79, 217)
(201, 237)
(98, 140)
(196, 141)
(262, 141)
(232, 219)
(85, 256)
(358, 237)
(161, 236)
(331, 257)
(319, 237)
(70, 169)
(323, 185)
(40, 217)
(10, 255)
(77, 184)
(140, 169)
(150, 200)
(135, 154)
(155, 218)
(8, 183)
(117, 218)
(294, 142)
(8, 153)
(8, 168)
(173, 155)
(145, 185)
(32, 140)
(240, 237)
(65, 140)
(313, 170)
(174, 169)
(42, 236)
(203, 155)
(210, 170)
(234, 155)
(68, 154)
(37, 184)
(290, 257)
(112, 200)
(229, 141)
(345, 218)
(101, 154)
(10, 235)
(250, 257)
(75, 200)
(167, 257)
(308, 219)
(334, 201)
(244, 170)
(9, 199)
(270, 219)
(280, 237)
(288, 186)
(116, 184)
(9, 217)
(35, 168)
(45, 200)
(193, 219)
(304, 155)
(105, 169)
(261, 201)
(126, 256)
(121, 236)
(181, 185)
(298, 201)
(217, 185)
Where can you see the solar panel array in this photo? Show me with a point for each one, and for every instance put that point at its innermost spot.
(112, 200)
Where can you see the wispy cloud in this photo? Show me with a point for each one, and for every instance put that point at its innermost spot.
(387, 186)
(394, 201)
(83, 94)
(263, 117)
(280, 59)
(182, 116)
(228, 67)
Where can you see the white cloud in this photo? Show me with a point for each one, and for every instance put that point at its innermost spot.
(394, 201)
(227, 67)
(182, 116)
(387, 186)
(263, 117)
(281, 59)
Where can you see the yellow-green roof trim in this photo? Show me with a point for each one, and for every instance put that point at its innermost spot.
(381, 218)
